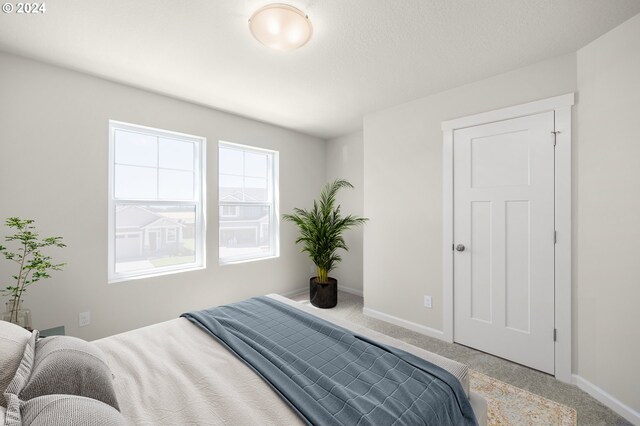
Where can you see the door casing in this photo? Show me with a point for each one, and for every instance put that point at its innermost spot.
(561, 105)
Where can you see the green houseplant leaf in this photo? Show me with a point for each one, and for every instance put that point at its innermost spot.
(33, 264)
(321, 229)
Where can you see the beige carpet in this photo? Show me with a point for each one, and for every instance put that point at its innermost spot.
(509, 405)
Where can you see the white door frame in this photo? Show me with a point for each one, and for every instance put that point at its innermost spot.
(561, 105)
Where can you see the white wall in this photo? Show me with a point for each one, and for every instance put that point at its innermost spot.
(53, 168)
(403, 185)
(607, 213)
(403, 198)
(344, 160)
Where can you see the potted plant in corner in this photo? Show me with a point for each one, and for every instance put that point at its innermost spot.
(33, 266)
(321, 230)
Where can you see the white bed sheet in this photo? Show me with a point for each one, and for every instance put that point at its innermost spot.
(174, 373)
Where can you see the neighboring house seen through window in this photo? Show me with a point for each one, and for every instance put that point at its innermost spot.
(229, 211)
(248, 203)
(156, 202)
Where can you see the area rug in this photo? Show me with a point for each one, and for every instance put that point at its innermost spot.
(509, 405)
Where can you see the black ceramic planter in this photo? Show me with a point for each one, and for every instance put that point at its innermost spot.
(323, 295)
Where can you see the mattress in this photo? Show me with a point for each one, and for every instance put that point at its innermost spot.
(175, 373)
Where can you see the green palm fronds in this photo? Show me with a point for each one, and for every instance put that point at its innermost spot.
(321, 229)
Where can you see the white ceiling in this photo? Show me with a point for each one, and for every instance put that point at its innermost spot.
(365, 55)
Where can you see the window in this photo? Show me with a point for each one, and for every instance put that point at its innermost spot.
(229, 211)
(172, 235)
(156, 202)
(248, 203)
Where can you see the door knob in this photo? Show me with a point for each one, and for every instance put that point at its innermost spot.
(460, 247)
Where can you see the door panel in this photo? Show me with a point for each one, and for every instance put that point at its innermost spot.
(500, 160)
(480, 278)
(518, 267)
(504, 216)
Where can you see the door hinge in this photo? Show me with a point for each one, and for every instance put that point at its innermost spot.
(555, 237)
(555, 334)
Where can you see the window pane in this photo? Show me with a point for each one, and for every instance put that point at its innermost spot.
(176, 185)
(230, 162)
(247, 232)
(255, 189)
(255, 165)
(136, 182)
(230, 188)
(149, 237)
(175, 154)
(136, 149)
(157, 197)
(255, 183)
(229, 211)
(246, 210)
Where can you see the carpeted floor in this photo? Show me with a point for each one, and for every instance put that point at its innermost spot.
(590, 412)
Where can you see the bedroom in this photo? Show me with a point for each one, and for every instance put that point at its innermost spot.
(351, 103)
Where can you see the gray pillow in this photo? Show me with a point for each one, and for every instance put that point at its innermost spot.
(70, 366)
(13, 415)
(13, 340)
(55, 410)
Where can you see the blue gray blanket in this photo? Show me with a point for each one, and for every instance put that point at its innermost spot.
(332, 376)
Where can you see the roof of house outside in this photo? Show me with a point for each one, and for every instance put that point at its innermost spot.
(140, 217)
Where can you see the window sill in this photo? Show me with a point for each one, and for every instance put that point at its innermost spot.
(253, 259)
(115, 280)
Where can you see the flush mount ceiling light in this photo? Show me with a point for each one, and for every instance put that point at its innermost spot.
(280, 26)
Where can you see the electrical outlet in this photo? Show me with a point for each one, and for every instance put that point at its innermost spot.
(427, 302)
(84, 319)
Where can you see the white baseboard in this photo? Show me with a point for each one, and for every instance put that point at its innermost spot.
(294, 292)
(298, 291)
(303, 289)
(607, 399)
(418, 328)
(350, 290)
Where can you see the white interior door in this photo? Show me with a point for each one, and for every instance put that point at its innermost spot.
(503, 192)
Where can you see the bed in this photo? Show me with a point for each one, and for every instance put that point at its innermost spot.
(175, 373)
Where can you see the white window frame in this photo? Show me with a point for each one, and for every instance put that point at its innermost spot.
(274, 237)
(199, 204)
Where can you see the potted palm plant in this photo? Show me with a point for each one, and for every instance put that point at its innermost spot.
(321, 230)
(33, 265)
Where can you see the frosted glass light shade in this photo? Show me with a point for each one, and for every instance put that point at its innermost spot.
(280, 26)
